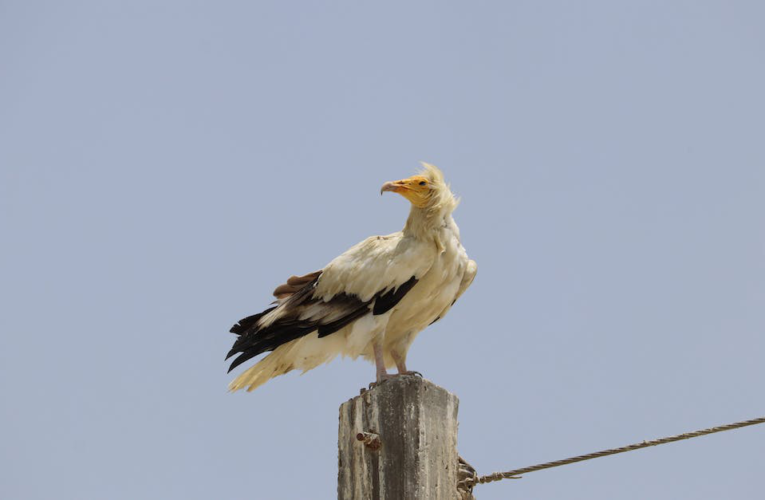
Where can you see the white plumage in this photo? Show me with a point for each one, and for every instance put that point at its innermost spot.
(371, 301)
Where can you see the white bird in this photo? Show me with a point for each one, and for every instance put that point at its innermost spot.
(371, 301)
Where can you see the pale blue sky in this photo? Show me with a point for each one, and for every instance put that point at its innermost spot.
(164, 165)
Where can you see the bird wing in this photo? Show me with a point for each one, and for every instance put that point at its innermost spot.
(376, 264)
(467, 279)
(371, 277)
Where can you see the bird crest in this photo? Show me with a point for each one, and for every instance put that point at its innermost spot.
(442, 198)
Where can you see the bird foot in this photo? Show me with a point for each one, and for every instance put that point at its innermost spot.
(382, 378)
(388, 376)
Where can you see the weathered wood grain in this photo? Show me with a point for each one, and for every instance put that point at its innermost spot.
(416, 422)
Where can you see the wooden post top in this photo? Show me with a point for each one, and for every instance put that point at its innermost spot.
(398, 440)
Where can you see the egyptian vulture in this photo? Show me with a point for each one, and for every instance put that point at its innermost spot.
(371, 301)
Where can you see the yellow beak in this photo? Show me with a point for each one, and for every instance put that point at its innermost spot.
(394, 186)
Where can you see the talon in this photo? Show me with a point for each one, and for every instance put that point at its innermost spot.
(382, 378)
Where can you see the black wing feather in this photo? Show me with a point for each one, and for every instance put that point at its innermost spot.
(254, 339)
(331, 328)
(386, 301)
(245, 324)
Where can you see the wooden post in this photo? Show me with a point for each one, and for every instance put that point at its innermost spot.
(399, 441)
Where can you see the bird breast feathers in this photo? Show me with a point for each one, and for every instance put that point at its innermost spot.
(379, 263)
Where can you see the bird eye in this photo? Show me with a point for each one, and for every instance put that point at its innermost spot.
(423, 183)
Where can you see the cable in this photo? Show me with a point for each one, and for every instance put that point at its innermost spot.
(515, 474)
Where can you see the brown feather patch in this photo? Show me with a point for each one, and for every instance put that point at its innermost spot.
(294, 284)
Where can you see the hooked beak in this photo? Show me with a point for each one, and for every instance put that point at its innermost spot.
(394, 186)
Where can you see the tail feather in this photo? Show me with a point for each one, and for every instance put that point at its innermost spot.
(275, 364)
(305, 353)
(267, 341)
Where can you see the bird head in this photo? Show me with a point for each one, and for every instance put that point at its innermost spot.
(417, 189)
(422, 190)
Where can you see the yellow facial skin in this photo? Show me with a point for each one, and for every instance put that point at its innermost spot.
(416, 189)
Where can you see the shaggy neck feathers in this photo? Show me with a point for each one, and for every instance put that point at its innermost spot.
(424, 223)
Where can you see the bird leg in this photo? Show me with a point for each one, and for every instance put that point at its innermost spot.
(382, 374)
(401, 364)
(400, 361)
